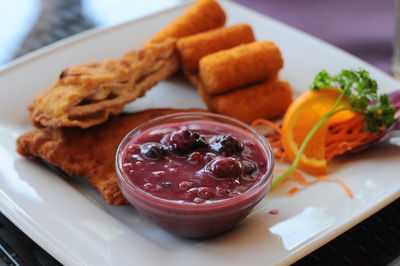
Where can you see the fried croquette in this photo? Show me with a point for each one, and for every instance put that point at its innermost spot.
(203, 15)
(240, 66)
(268, 100)
(192, 48)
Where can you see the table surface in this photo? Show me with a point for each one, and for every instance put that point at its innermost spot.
(364, 28)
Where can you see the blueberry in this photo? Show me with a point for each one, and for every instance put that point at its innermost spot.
(195, 157)
(205, 193)
(224, 167)
(184, 141)
(248, 167)
(226, 145)
(153, 150)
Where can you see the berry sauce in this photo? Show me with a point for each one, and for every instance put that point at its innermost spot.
(194, 162)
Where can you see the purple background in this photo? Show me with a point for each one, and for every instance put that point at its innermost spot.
(365, 28)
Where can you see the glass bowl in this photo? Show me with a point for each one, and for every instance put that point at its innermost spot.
(190, 219)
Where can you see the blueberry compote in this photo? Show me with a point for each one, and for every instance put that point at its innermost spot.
(194, 162)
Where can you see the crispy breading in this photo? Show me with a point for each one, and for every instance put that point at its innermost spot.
(87, 94)
(201, 16)
(268, 100)
(192, 48)
(240, 66)
(87, 152)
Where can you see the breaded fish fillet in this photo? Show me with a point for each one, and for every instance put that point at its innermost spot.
(192, 48)
(201, 16)
(268, 100)
(87, 94)
(87, 152)
(240, 66)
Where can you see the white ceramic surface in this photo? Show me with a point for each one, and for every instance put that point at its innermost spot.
(72, 222)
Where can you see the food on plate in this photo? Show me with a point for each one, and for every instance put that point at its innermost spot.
(300, 118)
(341, 113)
(346, 135)
(242, 82)
(203, 15)
(87, 152)
(384, 134)
(268, 99)
(71, 112)
(194, 174)
(87, 94)
(240, 66)
(194, 47)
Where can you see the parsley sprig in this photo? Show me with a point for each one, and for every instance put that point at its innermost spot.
(362, 94)
(358, 93)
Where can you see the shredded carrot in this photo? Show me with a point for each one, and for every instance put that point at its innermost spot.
(346, 188)
(278, 171)
(345, 136)
(297, 177)
(340, 138)
(276, 143)
(262, 121)
(293, 191)
(300, 178)
(274, 138)
(281, 155)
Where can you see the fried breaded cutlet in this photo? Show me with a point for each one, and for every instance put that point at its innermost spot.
(87, 94)
(203, 15)
(87, 152)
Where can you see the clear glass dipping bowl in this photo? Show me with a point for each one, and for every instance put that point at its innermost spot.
(190, 219)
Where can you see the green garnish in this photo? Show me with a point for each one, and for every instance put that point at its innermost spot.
(362, 94)
(361, 91)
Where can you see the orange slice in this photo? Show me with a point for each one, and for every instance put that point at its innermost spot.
(299, 119)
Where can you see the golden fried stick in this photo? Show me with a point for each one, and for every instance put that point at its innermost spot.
(87, 94)
(268, 100)
(87, 152)
(240, 66)
(201, 16)
(192, 48)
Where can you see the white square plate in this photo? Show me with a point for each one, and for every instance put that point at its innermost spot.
(71, 221)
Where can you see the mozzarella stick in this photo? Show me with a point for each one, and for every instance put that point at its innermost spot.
(240, 66)
(192, 48)
(201, 16)
(268, 100)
